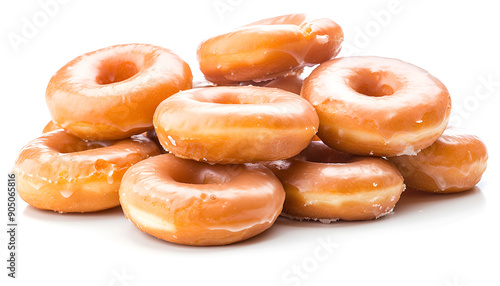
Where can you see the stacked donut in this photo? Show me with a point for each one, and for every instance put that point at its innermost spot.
(100, 102)
(243, 150)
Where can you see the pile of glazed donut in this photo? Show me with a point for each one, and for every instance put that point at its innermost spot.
(225, 160)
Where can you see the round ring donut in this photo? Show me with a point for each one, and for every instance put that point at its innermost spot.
(112, 93)
(230, 125)
(377, 106)
(454, 163)
(194, 203)
(61, 172)
(269, 48)
(327, 185)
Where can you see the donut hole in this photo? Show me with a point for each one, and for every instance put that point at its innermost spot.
(373, 83)
(115, 70)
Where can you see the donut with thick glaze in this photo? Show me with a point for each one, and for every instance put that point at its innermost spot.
(377, 106)
(112, 93)
(269, 48)
(194, 203)
(233, 125)
(327, 185)
(64, 173)
(454, 163)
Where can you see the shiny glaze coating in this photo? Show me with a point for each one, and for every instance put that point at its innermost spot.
(377, 106)
(269, 48)
(112, 93)
(61, 172)
(232, 125)
(454, 163)
(194, 203)
(327, 185)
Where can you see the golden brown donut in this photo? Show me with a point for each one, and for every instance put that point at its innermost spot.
(454, 163)
(232, 125)
(112, 93)
(194, 203)
(377, 106)
(269, 48)
(61, 172)
(327, 185)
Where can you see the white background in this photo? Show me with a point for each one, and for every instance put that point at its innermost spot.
(445, 240)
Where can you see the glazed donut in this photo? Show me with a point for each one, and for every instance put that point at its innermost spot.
(51, 126)
(454, 163)
(327, 185)
(194, 203)
(377, 106)
(269, 48)
(230, 125)
(112, 93)
(61, 172)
